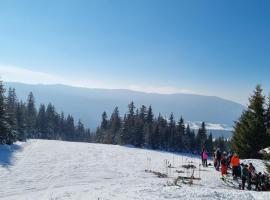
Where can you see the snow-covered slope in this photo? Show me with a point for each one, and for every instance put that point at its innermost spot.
(40, 169)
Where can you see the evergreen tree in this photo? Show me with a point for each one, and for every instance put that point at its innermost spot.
(115, 126)
(181, 139)
(162, 124)
(268, 119)
(21, 120)
(172, 143)
(155, 141)
(6, 132)
(209, 143)
(11, 108)
(129, 125)
(69, 129)
(42, 122)
(104, 122)
(31, 114)
(80, 131)
(250, 134)
(139, 131)
(149, 136)
(201, 137)
(221, 143)
(50, 122)
(192, 141)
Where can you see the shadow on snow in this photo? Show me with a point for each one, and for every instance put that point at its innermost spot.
(7, 153)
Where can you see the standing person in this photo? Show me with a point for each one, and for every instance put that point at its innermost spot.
(258, 181)
(244, 175)
(205, 157)
(218, 157)
(235, 163)
(229, 158)
(202, 156)
(215, 159)
(203, 150)
(251, 172)
(223, 162)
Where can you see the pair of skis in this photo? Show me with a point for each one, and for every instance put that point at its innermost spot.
(231, 182)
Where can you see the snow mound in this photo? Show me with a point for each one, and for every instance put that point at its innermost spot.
(44, 170)
(258, 164)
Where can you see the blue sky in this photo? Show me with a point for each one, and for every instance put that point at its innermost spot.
(207, 47)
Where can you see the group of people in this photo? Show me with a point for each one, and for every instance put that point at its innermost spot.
(246, 173)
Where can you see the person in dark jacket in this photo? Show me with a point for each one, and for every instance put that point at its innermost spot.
(218, 159)
(251, 174)
(244, 175)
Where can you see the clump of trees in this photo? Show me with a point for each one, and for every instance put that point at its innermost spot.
(139, 127)
(252, 130)
(22, 120)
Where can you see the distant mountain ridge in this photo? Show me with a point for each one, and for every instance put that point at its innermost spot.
(88, 104)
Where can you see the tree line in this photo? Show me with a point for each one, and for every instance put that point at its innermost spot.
(22, 120)
(252, 130)
(139, 127)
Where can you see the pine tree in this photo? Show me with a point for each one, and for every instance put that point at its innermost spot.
(21, 120)
(42, 122)
(6, 132)
(155, 141)
(162, 124)
(139, 130)
(69, 129)
(172, 143)
(250, 134)
(268, 119)
(80, 131)
(31, 114)
(181, 139)
(11, 108)
(104, 122)
(220, 143)
(62, 126)
(149, 135)
(209, 143)
(50, 121)
(129, 125)
(201, 137)
(115, 126)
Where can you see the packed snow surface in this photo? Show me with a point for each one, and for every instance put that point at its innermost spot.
(42, 169)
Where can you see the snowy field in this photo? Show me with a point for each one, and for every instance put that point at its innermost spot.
(41, 169)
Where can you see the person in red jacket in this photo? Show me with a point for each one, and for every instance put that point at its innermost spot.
(235, 163)
(224, 166)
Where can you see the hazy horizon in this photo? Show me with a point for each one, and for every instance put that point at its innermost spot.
(214, 48)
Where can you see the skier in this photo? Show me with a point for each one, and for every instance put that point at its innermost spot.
(229, 158)
(244, 176)
(235, 163)
(251, 173)
(223, 162)
(214, 159)
(258, 181)
(203, 150)
(205, 157)
(218, 158)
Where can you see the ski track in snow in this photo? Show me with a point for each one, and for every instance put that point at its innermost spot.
(55, 170)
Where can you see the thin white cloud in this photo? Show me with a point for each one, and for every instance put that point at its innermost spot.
(18, 74)
(160, 90)
(10, 73)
